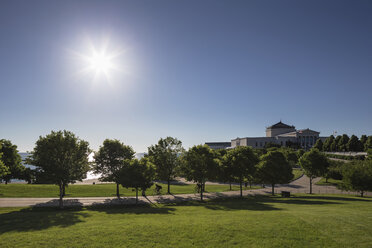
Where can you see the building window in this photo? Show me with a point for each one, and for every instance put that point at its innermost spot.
(260, 143)
(256, 144)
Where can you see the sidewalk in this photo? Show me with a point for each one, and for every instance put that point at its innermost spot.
(300, 185)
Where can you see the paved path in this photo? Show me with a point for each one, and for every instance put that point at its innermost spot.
(300, 185)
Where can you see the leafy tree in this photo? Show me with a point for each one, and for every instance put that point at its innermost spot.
(300, 152)
(327, 144)
(314, 164)
(342, 144)
(274, 169)
(290, 155)
(199, 164)
(334, 170)
(109, 161)
(368, 144)
(334, 146)
(224, 170)
(363, 141)
(319, 145)
(62, 158)
(354, 144)
(12, 160)
(271, 144)
(137, 174)
(358, 176)
(337, 144)
(242, 161)
(4, 170)
(164, 155)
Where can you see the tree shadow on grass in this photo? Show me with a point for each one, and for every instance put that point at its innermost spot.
(337, 198)
(37, 218)
(132, 209)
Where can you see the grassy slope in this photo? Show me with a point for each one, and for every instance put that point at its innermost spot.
(297, 173)
(108, 190)
(303, 221)
(331, 182)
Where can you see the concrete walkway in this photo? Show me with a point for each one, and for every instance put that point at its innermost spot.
(300, 185)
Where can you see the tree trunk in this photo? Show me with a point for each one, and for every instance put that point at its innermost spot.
(361, 193)
(241, 188)
(61, 195)
(230, 186)
(326, 179)
(203, 187)
(6, 182)
(117, 190)
(311, 185)
(63, 190)
(272, 189)
(136, 196)
(169, 186)
(201, 192)
(250, 184)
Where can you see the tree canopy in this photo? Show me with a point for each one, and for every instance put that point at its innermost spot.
(62, 158)
(242, 162)
(199, 164)
(358, 176)
(164, 155)
(12, 160)
(314, 164)
(108, 161)
(274, 168)
(4, 170)
(137, 174)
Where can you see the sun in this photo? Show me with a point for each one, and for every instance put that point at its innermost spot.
(99, 63)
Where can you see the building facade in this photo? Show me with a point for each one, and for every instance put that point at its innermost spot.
(279, 133)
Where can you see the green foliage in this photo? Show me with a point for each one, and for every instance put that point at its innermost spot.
(137, 174)
(357, 176)
(274, 168)
(4, 170)
(242, 162)
(109, 161)
(300, 152)
(12, 160)
(354, 144)
(62, 158)
(369, 153)
(290, 155)
(363, 141)
(342, 143)
(164, 155)
(314, 164)
(334, 170)
(199, 164)
(319, 145)
(327, 146)
(368, 144)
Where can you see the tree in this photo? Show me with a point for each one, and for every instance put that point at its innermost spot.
(224, 170)
(314, 164)
(4, 170)
(334, 170)
(242, 161)
(12, 160)
(199, 164)
(274, 169)
(342, 143)
(108, 161)
(358, 176)
(62, 158)
(337, 146)
(137, 174)
(300, 152)
(368, 144)
(290, 155)
(354, 144)
(327, 144)
(319, 145)
(363, 141)
(164, 155)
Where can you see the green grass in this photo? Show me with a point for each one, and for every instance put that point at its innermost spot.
(97, 190)
(261, 221)
(297, 173)
(331, 182)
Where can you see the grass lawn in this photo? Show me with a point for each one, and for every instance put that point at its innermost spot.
(105, 190)
(261, 221)
(297, 173)
(331, 182)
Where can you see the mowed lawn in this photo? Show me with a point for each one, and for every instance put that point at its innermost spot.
(97, 190)
(260, 221)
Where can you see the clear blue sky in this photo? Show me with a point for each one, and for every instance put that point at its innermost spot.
(196, 70)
